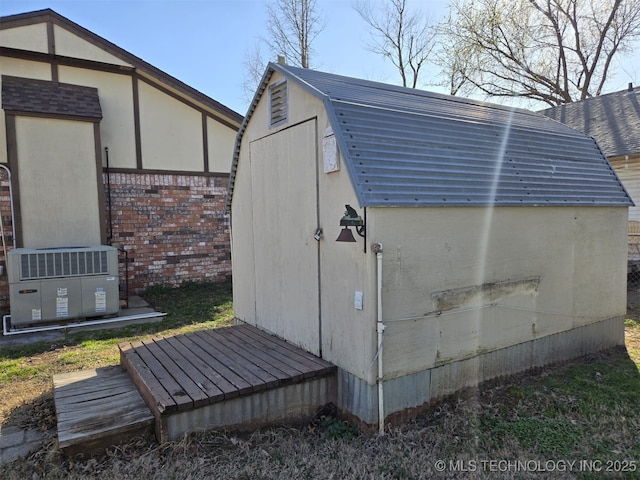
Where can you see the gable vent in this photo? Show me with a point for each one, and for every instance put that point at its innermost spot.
(278, 103)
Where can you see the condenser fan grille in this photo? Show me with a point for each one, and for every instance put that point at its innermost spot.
(35, 266)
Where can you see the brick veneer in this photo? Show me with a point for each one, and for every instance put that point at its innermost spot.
(172, 226)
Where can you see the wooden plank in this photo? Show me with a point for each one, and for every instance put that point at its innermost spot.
(259, 378)
(188, 395)
(106, 373)
(90, 406)
(303, 356)
(320, 366)
(73, 382)
(228, 367)
(84, 390)
(282, 370)
(289, 357)
(68, 436)
(230, 383)
(188, 362)
(85, 423)
(251, 357)
(146, 378)
(102, 421)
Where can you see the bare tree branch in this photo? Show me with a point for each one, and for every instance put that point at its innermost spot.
(554, 51)
(292, 26)
(405, 38)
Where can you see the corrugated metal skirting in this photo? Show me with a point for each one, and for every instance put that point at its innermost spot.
(411, 391)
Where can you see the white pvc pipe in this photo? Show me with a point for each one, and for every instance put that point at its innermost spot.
(380, 328)
(13, 220)
(45, 328)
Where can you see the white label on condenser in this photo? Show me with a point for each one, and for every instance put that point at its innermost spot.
(62, 306)
(101, 300)
(36, 314)
(357, 302)
(62, 292)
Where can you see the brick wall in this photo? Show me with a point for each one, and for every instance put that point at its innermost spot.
(172, 227)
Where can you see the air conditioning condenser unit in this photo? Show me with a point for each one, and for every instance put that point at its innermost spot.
(55, 284)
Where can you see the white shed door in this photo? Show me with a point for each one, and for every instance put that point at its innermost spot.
(283, 176)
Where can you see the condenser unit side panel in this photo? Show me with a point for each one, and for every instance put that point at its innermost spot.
(61, 299)
(100, 295)
(26, 304)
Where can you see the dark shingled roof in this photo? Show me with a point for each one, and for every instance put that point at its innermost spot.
(612, 119)
(29, 96)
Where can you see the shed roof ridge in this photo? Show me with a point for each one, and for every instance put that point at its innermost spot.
(566, 131)
(388, 87)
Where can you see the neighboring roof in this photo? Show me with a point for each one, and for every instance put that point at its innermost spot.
(48, 15)
(29, 96)
(407, 147)
(612, 119)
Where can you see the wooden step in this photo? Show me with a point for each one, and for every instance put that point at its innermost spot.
(98, 408)
(227, 377)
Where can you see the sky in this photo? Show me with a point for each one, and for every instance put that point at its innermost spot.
(204, 43)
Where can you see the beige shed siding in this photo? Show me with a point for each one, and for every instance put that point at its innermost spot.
(220, 140)
(242, 235)
(284, 213)
(70, 45)
(117, 130)
(434, 250)
(171, 132)
(18, 68)
(58, 183)
(28, 37)
(348, 335)
(628, 169)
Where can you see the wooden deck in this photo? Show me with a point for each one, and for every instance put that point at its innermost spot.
(228, 376)
(98, 407)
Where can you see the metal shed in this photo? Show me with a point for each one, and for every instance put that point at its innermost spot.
(494, 238)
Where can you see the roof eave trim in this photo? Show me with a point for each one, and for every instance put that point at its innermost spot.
(266, 76)
(343, 148)
(243, 126)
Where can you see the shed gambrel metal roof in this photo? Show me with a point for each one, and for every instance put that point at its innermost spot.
(407, 147)
(612, 119)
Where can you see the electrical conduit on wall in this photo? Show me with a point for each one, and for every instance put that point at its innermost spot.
(377, 249)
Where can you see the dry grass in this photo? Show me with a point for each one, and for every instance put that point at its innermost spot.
(588, 410)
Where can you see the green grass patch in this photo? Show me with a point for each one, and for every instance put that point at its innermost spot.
(22, 351)
(587, 410)
(553, 438)
(192, 303)
(17, 369)
(632, 323)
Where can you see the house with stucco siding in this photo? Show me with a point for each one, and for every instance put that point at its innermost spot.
(99, 147)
